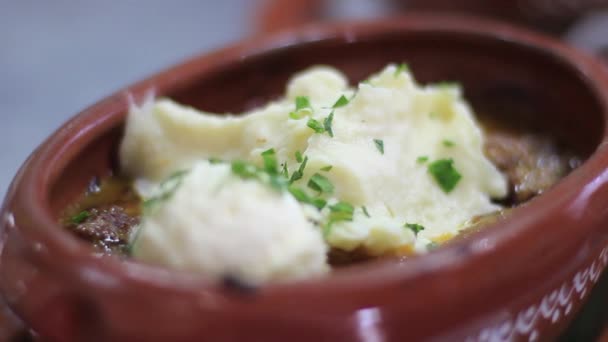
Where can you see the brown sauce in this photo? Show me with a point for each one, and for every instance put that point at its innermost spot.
(106, 215)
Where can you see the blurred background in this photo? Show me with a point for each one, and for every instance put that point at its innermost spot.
(57, 57)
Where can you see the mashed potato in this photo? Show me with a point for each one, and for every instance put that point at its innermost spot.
(199, 229)
(386, 167)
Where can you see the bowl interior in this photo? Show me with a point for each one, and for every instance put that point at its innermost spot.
(515, 82)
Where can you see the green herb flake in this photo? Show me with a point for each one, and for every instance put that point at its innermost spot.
(326, 229)
(342, 101)
(401, 68)
(301, 196)
(315, 125)
(327, 168)
(448, 143)
(302, 107)
(215, 160)
(422, 159)
(365, 211)
(321, 184)
(278, 182)
(327, 123)
(284, 171)
(299, 173)
(295, 176)
(298, 156)
(415, 227)
(341, 211)
(244, 169)
(302, 102)
(296, 115)
(319, 203)
(445, 174)
(167, 189)
(303, 165)
(151, 203)
(379, 145)
(270, 161)
(133, 240)
(80, 217)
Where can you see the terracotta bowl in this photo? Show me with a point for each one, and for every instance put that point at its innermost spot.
(524, 278)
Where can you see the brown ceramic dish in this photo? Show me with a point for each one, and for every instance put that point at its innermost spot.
(523, 278)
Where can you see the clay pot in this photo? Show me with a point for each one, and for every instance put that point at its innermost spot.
(523, 278)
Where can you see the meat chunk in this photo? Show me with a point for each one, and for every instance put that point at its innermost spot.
(531, 163)
(108, 228)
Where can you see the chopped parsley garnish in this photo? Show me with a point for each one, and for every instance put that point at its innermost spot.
(302, 102)
(269, 174)
(299, 173)
(327, 168)
(321, 184)
(445, 174)
(80, 217)
(319, 203)
(379, 145)
(415, 227)
(448, 143)
(342, 101)
(401, 68)
(303, 197)
(270, 161)
(365, 211)
(298, 156)
(296, 115)
(167, 189)
(303, 107)
(299, 194)
(341, 211)
(244, 169)
(422, 159)
(278, 182)
(315, 125)
(327, 124)
(295, 176)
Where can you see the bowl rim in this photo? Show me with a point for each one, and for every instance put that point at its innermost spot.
(28, 204)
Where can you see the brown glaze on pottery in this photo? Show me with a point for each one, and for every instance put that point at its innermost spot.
(523, 278)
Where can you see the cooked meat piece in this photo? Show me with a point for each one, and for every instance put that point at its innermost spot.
(108, 228)
(531, 163)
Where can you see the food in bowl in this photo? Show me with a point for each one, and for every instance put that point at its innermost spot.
(325, 176)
